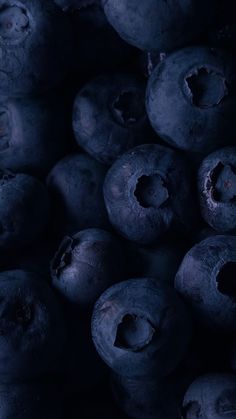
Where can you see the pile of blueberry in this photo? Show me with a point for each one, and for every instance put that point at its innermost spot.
(117, 209)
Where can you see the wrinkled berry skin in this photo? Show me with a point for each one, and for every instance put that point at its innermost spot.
(75, 184)
(30, 400)
(211, 396)
(158, 24)
(24, 209)
(33, 134)
(109, 116)
(191, 99)
(140, 328)
(35, 46)
(147, 191)
(86, 264)
(217, 189)
(32, 327)
(149, 399)
(206, 280)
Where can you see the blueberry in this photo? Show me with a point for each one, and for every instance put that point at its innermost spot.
(211, 396)
(147, 191)
(24, 209)
(75, 184)
(159, 24)
(86, 264)
(32, 331)
(30, 400)
(191, 99)
(206, 279)
(149, 399)
(217, 189)
(141, 328)
(32, 134)
(109, 116)
(25, 27)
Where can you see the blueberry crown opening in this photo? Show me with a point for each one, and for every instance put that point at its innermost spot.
(14, 22)
(223, 180)
(63, 256)
(151, 191)
(134, 333)
(128, 108)
(206, 87)
(226, 279)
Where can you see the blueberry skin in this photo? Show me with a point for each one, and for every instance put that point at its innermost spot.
(217, 189)
(150, 399)
(147, 191)
(86, 264)
(158, 24)
(190, 99)
(33, 134)
(24, 209)
(109, 116)
(32, 327)
(75, 184)
(135, 326)
(25, 27)
(30, 400)
(205, 279)
(211, 396)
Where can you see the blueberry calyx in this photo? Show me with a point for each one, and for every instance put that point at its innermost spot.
(206, 88)
(5, 128)
(14, 22)
(128, 108)
(226, 280)
(224, 183)
(151, 191)
(134, 333)
(62, 257)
